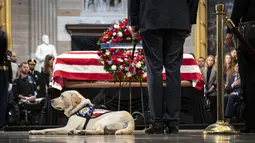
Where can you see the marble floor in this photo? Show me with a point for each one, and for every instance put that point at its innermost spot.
(185, 136)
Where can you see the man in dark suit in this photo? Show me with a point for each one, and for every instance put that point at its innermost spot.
(164, 25)
(4, 79)
(243, 12)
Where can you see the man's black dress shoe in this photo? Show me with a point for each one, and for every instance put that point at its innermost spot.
(172, 130)
(155, 128)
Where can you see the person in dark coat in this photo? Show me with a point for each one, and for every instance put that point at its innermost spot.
(4, 79)
(164, 26)
(243, 12)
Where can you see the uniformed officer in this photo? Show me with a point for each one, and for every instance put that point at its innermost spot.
(34, 73)
(243, 15)
(24, 87)
(4, 79)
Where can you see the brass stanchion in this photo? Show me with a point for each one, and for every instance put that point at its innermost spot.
(220, 127)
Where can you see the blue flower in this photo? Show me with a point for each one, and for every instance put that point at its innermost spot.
(101, 59)
(134, 72)
(145, 68)
(126, 68)
(109, 62)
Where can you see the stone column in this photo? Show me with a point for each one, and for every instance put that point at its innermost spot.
(43, 21)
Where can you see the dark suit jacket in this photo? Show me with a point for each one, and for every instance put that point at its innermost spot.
(229, 89)
(3, 46)
(163, 14)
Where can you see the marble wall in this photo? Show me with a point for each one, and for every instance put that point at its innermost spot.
(33, 18)
(212, 22)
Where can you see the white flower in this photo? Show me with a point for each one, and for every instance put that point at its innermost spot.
(114, 33)
(116, 26)
(138, 65)
(145, 74)
(107, 53)
(121, 67)
(113, 67)
(120, 34)
(128, 38)
(129, 74)
(120, 60)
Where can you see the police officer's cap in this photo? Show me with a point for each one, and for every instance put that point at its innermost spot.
(31, 61)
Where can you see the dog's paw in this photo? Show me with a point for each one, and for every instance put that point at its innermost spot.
(72, 132)
(77, 132)
(35, 132)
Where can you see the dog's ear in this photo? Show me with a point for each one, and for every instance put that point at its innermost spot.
(76, 100)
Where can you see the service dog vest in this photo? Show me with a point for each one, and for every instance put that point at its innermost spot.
(89, 112)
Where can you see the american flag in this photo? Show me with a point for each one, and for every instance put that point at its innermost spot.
(85, 66)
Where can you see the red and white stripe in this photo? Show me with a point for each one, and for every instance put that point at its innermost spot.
(85, 65)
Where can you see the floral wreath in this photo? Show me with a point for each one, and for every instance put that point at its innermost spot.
(119, 61)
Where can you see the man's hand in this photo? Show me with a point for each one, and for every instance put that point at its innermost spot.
(134, 32)
(32, 98)
(237, 82)
(229, 38)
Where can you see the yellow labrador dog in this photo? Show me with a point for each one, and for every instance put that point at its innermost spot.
(109, 122)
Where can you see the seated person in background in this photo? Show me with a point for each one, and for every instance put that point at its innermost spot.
(201, 63)
(232, 94)
(34, 73)
(209, 74)
(228, 68)
(24, 87)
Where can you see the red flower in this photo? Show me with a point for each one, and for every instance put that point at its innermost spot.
(139, 72)
(129, 54)
(111, 50)
(113, 41)
(120, 52)
(99, 53)
(106, 62)
(131, 69)
(128, 60)
(138, 58)
(114, 57)
(127, 32)
(120, 74)
(118, 39)
(110, 33)
(123, 56)
(116, 62)
(103, 40)
(122, 25)
(142, 52)
(103, 56)
(116, 30)
(135, 62)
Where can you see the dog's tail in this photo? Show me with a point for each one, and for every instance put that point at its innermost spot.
(130, 127)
